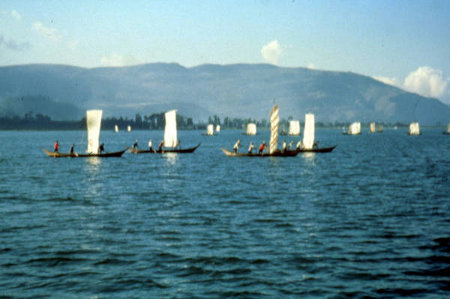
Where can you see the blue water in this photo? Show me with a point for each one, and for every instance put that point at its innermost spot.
(370, 219)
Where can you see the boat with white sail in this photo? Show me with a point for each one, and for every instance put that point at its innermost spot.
(309, 145)
(448, 130)
(353, 129)
(294, 128)
(209, 130)
(251, 129)
(93, 124)
(414, 129)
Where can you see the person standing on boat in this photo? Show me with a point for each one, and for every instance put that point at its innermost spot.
(236, 146)
(250, 148)
(299, 144)
(56, 147)
(150, 145)
(101, 148)
(71, 149)
(135, 145)
(262, 147)
(291, 145)
(284, 146)
(161, 144)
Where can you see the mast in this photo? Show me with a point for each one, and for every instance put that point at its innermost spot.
(170, 131)
(274, 120)
(93, 124)
(309, 131)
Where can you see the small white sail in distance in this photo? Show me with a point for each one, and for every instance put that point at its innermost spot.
(294, 127)
(210, 129)
(93, 124)
(414, 128)
(251, 129)
(448, 128)
(116, 128)
(218, 128)
(129, 128)
(274, 121)
(309, 131)
(354, 128)
(372, 128)
(170, 131)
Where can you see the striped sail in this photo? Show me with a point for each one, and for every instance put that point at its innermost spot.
(251, 129)
(93, 124)
(274, 120)
(355, 128)
(170, 131)
(414, 128)
(294, 127)
(210, 129)
(309, 131)
(372, 127)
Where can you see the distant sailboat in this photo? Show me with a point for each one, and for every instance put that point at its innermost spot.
(116, 128)
(448, 130)
(171, 142)
(294, 127)
(251, 129)
(354, 129)
(372, 128)
(414, 129)
(309, 145)
(129, 128)
(273, 146)
(210, 130)
(218, 129)
(379, 128)
(93, 124)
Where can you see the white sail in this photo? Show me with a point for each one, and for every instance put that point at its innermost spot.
(251, 129)
(218, 128)
(170, 131)
(379, 128)
(294, 127)
(93, 124)
(354, 128)
(372, 128)
(116, 128)
(129, 128)
(309, 131)
(274, 121)
(210, 130)
(448, 128)
(414, 128)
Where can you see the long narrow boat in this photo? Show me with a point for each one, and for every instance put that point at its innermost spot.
(171, 150)
(277, 153)
(309, 135)
(76, 155)
(317, 150)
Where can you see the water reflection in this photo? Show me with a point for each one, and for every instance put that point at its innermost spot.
(309, 158)
(93, 164)
(171, 159)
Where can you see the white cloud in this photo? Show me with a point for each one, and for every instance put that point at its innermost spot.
(387, 80)
(272, 52)
(118, 60)
(427, 81)
(50, 33)
(13, 45)
(16, 15)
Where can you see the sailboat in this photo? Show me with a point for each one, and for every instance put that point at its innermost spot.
(218, 129)
(93, 123)
(294, 128)
(354, 129)
(372, 128)
(116, 128)
(379, 128)
(414, 129)
(309, 146)
(273, 146)
(209, 130)
(171, 143)
(448, 130)
(251, 129)
(129, 128)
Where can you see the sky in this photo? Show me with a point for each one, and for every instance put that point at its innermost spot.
(405, 43)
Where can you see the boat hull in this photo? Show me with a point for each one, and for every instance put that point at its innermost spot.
(76, 155)
(276, 154)
(318, 150)
(179, 151)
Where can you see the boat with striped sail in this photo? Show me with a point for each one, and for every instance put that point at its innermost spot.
(309, 145)
(414, 129)
(273, 146)
(171, 143)
(93, 124)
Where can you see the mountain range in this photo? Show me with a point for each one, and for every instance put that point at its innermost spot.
(238, 90)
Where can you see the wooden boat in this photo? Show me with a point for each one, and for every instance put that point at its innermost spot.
(77, 155)
(309, 145)
(93, 124)
(318, 150)
(169, 150)
(277, 153)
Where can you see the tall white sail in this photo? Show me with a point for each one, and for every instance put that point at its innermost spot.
(170, 131)
(210, 130)
(448, 128)
(309, 131)
(372, 128)
(218, 128)
(274, 121)
(116, 128)
(93, 124)
(414, 128)
(251, 129)
(129, 128)
(355, 128)
(294, 127)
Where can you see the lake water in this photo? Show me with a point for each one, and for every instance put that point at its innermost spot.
(372, 218)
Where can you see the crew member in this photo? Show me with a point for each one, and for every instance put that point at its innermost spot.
(161, 144)
(71, 149)
(135, 145)
(150, 145)
(56, 147)
(250, 148)
(262, 147)
(101, 148)
(236, 146)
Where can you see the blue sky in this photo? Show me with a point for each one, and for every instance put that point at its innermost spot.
(403, 42)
